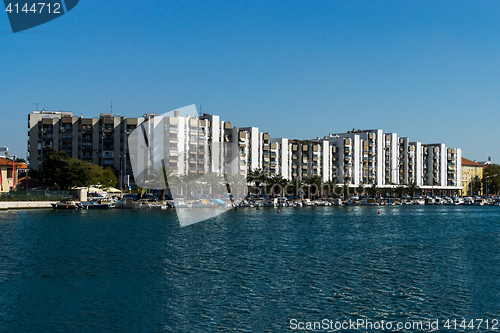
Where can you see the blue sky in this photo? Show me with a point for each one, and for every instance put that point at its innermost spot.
(428, 70)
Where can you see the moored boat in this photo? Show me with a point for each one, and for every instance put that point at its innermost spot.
(97, 204)
(66, 204)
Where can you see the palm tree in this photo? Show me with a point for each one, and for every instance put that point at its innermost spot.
(391, 190)
(412, 188)
(337, 190)
(254, 176)
(257, 177)
(475, 186)
(345, 190)
(373, 190)
(190, 181)
(314, 181)
(157, 179)
(236, 182)
(297, 185)
(360, 189)
(215, 181)
(400, 190)
(280, 181)
(331, 187)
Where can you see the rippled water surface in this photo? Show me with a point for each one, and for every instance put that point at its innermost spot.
(248, 270)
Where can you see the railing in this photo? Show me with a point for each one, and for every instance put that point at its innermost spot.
(34, 196)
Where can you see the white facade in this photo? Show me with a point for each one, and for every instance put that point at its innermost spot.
(193, 144)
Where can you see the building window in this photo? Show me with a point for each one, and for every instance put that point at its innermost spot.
(9, 173)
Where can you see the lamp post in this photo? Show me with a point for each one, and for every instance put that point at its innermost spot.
(27, 174)
(122, 169)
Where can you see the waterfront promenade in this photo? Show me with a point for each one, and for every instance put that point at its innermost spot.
(25, 204)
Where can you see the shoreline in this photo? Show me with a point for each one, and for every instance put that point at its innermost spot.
(6, 205)
(17, 205)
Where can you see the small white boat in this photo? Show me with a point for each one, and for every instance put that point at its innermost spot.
(478, 202)
(352, 201)
(66, 204)
(96, 204)
(337, 202)
(468, 201)
(369, 202)
(179, 203)
(246, 205)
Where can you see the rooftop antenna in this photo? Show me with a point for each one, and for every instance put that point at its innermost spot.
(37, 106)
(111, 107)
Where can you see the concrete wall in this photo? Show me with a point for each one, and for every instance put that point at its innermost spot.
(25, 204)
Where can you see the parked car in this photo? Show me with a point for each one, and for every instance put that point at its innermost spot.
(149, 197)
(131, 195)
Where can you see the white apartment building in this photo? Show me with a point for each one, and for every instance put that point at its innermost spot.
(372, 157)
(203, 144)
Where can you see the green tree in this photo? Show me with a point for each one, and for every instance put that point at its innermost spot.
(277, 181)
(491, 179)
(360, 189)
(413, 188)
(57, 169)
(190, 181)
(92, 174)
(159, 178)
(475, 185)
(345, 190)
(373, 190)
(330, 187)
(297, 187)
(314, 182)
(62, 172)
(215, 182)
(108, 178)
(400, 190)
(256, 179)
(236, 183)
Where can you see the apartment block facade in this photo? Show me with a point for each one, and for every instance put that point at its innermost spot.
(472, 174)
(203, 144)
(99, 140)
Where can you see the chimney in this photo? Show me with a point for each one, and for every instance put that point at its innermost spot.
(176, 113)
